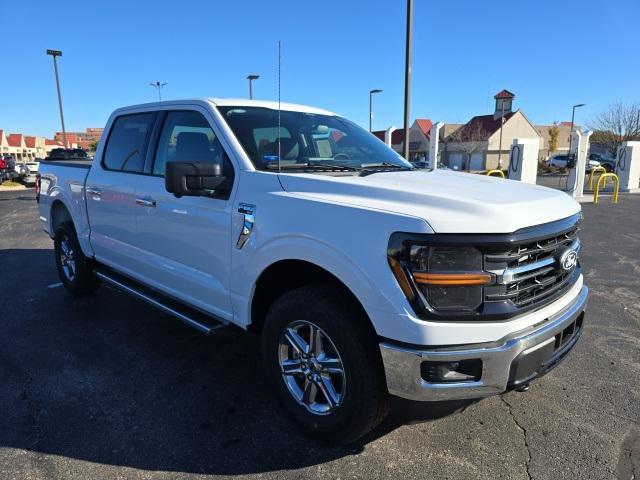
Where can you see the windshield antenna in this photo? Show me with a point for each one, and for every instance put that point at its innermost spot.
(279, 63)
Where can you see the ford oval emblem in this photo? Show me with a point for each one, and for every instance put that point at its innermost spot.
(568, 260)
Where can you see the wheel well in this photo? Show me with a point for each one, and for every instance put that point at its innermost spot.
(59, 215)
(287, 275)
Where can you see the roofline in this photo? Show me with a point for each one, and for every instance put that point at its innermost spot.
(508, 119)
(220, 101)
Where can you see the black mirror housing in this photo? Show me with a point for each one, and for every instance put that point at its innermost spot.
(194, 178)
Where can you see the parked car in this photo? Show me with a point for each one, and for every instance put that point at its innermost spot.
(31, 174)
(3, 169)
(67, 154)
(560, 161)
(8, 168)
(364, 276)
(608, 163)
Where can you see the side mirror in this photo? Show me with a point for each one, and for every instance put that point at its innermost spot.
(194, 179)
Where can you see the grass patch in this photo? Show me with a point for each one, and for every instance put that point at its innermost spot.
(11, 183)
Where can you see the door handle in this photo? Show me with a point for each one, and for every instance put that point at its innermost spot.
(96, 192)
(146, 202)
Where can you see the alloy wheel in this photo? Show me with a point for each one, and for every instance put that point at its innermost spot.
(311, 367)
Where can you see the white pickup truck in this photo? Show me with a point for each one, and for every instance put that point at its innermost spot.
(364, 276)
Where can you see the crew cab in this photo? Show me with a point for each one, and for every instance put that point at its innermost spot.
(364, 276)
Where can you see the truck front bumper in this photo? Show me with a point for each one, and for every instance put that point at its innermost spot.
(488, 368)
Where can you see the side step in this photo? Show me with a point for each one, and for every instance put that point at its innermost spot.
(195, 318)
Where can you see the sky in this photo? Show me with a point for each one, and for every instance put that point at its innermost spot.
(551, 54)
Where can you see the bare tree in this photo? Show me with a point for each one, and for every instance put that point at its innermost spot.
(615, 124)
(469, 139)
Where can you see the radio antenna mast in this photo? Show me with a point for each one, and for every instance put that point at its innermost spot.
(279, 63)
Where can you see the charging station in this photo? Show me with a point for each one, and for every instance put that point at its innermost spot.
(434, 141)
(628, 166)
(523, 160)
(579, 149)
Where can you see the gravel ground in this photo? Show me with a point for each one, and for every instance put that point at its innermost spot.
(107, 387)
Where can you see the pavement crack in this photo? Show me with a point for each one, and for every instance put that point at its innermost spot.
(523, 430)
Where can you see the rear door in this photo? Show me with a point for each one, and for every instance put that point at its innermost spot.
(110, 190)
(185, 243)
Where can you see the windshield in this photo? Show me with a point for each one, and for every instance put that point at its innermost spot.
(307, 140)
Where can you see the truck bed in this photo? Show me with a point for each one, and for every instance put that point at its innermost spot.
(64, 180)
(79, 163)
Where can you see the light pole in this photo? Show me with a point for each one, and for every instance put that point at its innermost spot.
(159, 86)
(573, 116)
(54, 54)
(251, 78)
(371, 94)
(407, 78)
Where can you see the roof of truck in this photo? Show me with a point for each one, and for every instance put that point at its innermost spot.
(237, 102)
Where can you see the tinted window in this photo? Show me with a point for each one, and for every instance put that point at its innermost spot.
(306, 139)
(126, 146)
(187, 137)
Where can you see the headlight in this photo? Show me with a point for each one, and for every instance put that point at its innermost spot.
(438, 278)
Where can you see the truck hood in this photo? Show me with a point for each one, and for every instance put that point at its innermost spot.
(450, 202)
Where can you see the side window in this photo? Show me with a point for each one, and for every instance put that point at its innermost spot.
(187, 137)
(126, 145)
(266, 141)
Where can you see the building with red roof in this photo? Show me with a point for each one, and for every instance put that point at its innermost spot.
(418, 138)
(4, 144)
(479, 144)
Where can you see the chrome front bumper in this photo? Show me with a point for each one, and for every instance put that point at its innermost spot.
(499, 360)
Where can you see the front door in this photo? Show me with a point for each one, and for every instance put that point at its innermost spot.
(185, 242)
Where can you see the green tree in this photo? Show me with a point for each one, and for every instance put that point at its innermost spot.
(554, 131)
(93, 146)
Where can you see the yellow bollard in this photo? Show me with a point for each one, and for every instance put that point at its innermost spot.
(499, 172)
(593, 171)
(602, 180)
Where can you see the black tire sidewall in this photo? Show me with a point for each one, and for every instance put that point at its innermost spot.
(84, 280)
(354, 345)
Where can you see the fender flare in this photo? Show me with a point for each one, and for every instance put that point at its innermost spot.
(306, 249)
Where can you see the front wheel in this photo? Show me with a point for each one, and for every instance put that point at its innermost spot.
(74, 269)
(323, 362)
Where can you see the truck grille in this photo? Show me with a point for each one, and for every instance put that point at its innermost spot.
(528, 273)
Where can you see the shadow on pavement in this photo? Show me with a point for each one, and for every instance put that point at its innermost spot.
(110, 380)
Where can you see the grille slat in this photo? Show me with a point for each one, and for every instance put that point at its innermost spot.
(541, 282)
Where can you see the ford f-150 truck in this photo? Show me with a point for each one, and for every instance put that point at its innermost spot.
(364, 276)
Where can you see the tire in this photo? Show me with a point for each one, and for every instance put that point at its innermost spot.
(361, 399)
(75, 270)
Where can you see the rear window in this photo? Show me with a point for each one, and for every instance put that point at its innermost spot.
(125, 148)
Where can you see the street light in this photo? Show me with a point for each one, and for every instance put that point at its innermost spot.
(371, 93)
(251, 78)
(573, 115)
(159, 86)
(407, 78)
(54, 54)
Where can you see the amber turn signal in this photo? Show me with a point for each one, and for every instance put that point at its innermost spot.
(452, 279)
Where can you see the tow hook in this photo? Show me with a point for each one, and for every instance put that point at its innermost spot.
(523, 388)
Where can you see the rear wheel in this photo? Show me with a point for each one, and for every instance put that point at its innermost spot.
(74, 269)
(322, 360)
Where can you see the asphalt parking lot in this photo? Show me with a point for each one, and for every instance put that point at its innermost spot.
(106, 387)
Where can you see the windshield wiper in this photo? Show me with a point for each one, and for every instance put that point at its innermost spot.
(370, 168)
(312, 166)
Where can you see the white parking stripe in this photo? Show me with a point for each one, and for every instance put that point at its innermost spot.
(54, 285)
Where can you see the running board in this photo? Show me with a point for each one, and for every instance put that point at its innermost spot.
(189, 315)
